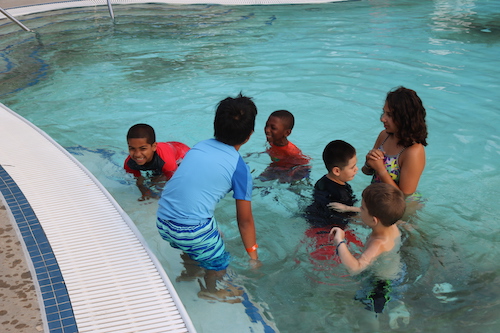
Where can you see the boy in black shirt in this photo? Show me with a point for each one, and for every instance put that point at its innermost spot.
(333, 197)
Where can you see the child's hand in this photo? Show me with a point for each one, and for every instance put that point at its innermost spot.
(255, 263)
(339, 207)
(338, 235)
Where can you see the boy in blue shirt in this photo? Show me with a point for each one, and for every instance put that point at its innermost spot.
(210, 170)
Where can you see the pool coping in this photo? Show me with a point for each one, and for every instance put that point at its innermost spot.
(56, 302)
(25, 7)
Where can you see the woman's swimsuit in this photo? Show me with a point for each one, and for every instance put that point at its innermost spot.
(391, 165)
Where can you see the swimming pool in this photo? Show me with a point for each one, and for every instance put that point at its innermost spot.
(331, 65)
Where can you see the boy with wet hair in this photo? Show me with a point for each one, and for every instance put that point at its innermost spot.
(333, 199)
(159, 159)
(288, 162)
(333, 196)
(382, 206)
(210, 170)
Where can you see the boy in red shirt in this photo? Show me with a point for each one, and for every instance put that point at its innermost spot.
(158, 159)
(288, 162)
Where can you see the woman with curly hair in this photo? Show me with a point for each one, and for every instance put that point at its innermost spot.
(398, 156)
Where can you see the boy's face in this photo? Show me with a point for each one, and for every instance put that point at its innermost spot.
(275, 131)
(141, 151)
(347, 173)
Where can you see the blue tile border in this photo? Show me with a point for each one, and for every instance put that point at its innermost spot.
(58, 308)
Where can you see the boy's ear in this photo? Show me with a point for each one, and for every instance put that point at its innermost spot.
(154, 146)
(336, 171)
(376, 221)
(288, 132)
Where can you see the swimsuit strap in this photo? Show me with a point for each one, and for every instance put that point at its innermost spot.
(382, 144)
(401, 152)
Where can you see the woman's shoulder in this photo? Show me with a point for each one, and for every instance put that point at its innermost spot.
(416, 148)
(413, 152)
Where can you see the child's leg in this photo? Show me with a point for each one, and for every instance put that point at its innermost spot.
(211, 292)
(211, 278)
(368, 321)
(398, 314)
(192, 269)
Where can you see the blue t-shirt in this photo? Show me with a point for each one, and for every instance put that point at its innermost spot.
(208, 172)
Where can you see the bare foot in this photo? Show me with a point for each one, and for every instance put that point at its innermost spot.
(230, 294)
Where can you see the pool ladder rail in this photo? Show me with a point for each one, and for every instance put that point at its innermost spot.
(92, 269)
(16, 21)
(25, 28)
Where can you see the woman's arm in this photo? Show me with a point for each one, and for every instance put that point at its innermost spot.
(412, 164)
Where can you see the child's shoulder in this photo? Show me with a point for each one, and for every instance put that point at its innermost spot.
(386, 242)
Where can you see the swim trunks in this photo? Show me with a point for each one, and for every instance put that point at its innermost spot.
(202, 242)
(378, 292)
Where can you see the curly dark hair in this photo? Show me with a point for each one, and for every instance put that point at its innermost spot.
(408, 114)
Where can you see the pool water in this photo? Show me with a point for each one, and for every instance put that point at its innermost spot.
(85, 81)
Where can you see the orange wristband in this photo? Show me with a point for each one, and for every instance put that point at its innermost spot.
(253, 248)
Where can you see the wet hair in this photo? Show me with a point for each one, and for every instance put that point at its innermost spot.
(408, 114)
(234, 120)
(142, 131)
(286, 117)
(337, 154)
(385, 202)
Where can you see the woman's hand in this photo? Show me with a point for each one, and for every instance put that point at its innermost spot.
(375, 160)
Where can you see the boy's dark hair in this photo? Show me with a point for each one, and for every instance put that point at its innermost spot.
(408, 114)
(337, 154)
(385, 202)
(142, 131)
(234, 120)
(286, 117)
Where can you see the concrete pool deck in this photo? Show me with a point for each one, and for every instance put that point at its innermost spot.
(19, 306)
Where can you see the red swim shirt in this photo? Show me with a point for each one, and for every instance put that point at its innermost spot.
(166, 159)
(286, 156)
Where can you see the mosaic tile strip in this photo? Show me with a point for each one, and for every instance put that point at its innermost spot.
(58, 308)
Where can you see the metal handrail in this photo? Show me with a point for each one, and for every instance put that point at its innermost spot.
(111, 10)
(13, 19)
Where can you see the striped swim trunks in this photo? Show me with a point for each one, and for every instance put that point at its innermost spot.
(202, 242)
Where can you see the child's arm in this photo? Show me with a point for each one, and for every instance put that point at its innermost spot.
(246, 226)
(341, 208)
(353, 264)
(145, 191)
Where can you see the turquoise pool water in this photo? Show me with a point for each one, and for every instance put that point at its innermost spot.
(85, 81)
